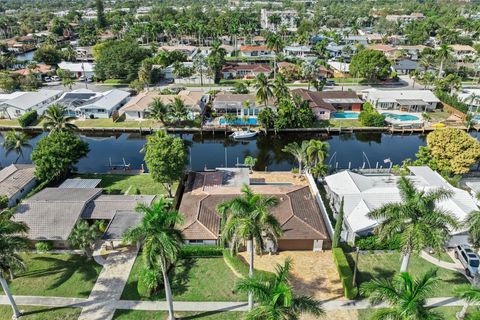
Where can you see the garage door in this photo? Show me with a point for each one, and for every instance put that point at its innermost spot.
(295, 245)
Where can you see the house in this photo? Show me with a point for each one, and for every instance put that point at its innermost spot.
(286, 18)
(41, 70)
(362, 194)
(189, 51)
(238, 104)
(334, 50)
(471, 97)
(404, 100)
(298, 51)
(405, 18)
(413, 52)
(79, 68)
(137, 107)
(52, 213)
(405, 66)
(28, 101)
(323, 103)
(340, 69)
(356, 39)
(256, 51)
(463, 52)
(103, 105)
(297, 211)
(245, 71)
(387, 50)
(16, 181)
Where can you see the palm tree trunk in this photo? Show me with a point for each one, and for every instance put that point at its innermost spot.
(168, 292)
(12, 275)
(16, 312)
(441, 69)
(405, 261)
(250, 270)
(461, 315)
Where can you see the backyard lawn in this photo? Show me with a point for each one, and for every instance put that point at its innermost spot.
(194, 279)
(61, 275)
(161, 315)
(121, 183)
(108, 123)
(386, 265)
(447, 312)
(40, 313)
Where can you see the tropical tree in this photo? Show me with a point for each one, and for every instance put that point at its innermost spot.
(472, 223)
(299, 151)
(83, 236)
(14, 141)
(276, 299)
(317, 151)
(250, 162)
(247, 218)
(12, 240)
(68, 83)
(310, 71)
(443, 54)
(158, 110)
(276, 44)
(56, 118)
(216, 59)
(279, 88)
(200, 65)
(263, 88)
(178, 110)
(416, 218)
(470, 294)
(160, 238)
(405, 295)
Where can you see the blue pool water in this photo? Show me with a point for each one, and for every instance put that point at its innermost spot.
(240, 122)
(345, 115)
(401, 117)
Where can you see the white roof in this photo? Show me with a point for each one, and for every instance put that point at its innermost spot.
(341, 66)
(10, 96)
(30, 99)
(107, 100)
(363, 194)
(465, 94)
(76, 66)
(298, 48)
(374, 94)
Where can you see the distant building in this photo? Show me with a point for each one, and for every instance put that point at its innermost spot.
(405, 17)
(298, 51)
(245, 71)
(463, 52)
(256, 51)
(79, 68)
(288, 18)
(24, 102)
(405, 66)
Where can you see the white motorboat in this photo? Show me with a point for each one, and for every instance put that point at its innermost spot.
(244, 134)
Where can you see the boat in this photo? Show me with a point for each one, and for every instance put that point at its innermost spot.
(244, 134)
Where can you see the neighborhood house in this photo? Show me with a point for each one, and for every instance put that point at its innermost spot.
(16, 181)
(17, 104)
(403, 100)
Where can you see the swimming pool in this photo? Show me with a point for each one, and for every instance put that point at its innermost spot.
(401, 117)
(240, 122)
(345, 115)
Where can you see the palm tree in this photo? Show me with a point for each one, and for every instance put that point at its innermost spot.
(247, 218)
(276, 299)
(416, 218)
(83, 236)
(68, 83)
(12, 240)
(55, 118)
(178, 110)
(299, 151)
(472, 223)
(317, 151)
(157, 110)
(473, 98)
(470, 294)
(405, 295)
(279, 88)
(15, 142)
(275, 43)
(161, 240)
(264, 88)
(443, 54)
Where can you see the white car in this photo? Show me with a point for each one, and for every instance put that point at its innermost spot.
(47, 79)
(468, 258)
(56, 78)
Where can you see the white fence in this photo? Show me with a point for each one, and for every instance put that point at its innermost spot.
(323, 210)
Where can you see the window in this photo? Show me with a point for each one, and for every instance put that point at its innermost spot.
(322, 112)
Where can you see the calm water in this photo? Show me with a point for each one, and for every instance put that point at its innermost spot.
(209, 151)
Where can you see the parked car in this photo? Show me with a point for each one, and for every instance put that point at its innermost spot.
(330, 83)
(47, 79)
(468, 258)
(56, 78)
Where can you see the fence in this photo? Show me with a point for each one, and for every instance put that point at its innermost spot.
(318, 197)
(448, 108)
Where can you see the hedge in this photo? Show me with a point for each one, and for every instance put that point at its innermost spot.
(242, 268)
(28, 118)
(452, 101)
(346, 274)
(201, 251)
(373, 243)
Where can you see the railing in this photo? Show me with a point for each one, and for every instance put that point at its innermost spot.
(318, 197)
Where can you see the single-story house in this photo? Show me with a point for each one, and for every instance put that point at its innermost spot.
(463, 52)
(239, 104)
(405, 66)
(356, 39)
(387, 50)
(297, 51)
(137, 107)
(28, 101)
(412, 51)
(189, 51)
(16, 181)
(103, 105)
(364, 193)
(340, 69)
(39, 71)
(245, 71)
(79, 68)
(256, 51)
(404, 100)
(297, 211)
(466, 94)
(323, 103)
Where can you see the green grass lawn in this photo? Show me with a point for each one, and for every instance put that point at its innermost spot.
(337, 123)
(195, 279)
(61, 275)
(161, 315)
(41, 313)
(386, 265)
(121, 183)
(108, 123)
(447, 312)
(438, 116)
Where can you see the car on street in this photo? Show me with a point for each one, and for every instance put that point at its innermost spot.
(330, 83)
(468, 258)
(56, 78)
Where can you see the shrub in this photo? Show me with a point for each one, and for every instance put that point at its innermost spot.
(201, 251)
(373, 243)
(445, 97)
(3, 201)
(43, 246)
(345, 273)
(28, 118)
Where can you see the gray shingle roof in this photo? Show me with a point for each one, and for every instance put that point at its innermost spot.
(15, 177)
(30, 99)
(105, 206)
(80, 183)
(122, 221)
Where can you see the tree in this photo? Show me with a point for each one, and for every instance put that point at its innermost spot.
(276, 299)
(178, 110)
(299, 151)
(443, 54)
(56, 154)
(161, 240)
(48, 54)
(101, 20)
(275, 43)
(338, 227)
(12, 240)
(157, 110)
(267, 117)
(14, 141)
(83, 236)
(216, 59)
(294, 113)
(370, 64)
(68, 83)
(165, 157)
(405, 295)
(279, 88)
(369, 117)
(200, 65)
(472, 223)
(317, 151)
(240, 88)
(264, 88)
(250, 162)
(416, 218)
(55, 118)
(471, 295)
(247, 218)
(310, 71)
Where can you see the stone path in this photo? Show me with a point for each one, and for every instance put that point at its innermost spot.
(454, 266)
(109, 286)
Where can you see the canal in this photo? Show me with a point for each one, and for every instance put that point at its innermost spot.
(357, 150)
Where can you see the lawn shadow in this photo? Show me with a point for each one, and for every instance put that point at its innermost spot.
(202, 315)
(37, 311)
(180, 275)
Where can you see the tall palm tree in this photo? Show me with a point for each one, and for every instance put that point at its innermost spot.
(279, 88)
(317, 151)
(157, 110)
(470, 294)
(178, 110)
(276, 299)
(56, 118)
(12, 240)
(443, 54)
(14, 141)
(416, 218)
(473, 98)
(405, 295)
(161, 240)
(299, 151)
(247, 218)
(264, 88)
(275, 43)
(472, 223)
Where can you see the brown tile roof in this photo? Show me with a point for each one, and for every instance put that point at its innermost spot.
(254, 48)
(105, 206)
(322, 99)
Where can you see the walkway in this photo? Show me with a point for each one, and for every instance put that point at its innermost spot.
(109, 286)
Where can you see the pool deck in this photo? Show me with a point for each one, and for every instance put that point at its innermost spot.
(278, 177)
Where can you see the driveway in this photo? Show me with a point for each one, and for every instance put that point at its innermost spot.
(313, 274)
